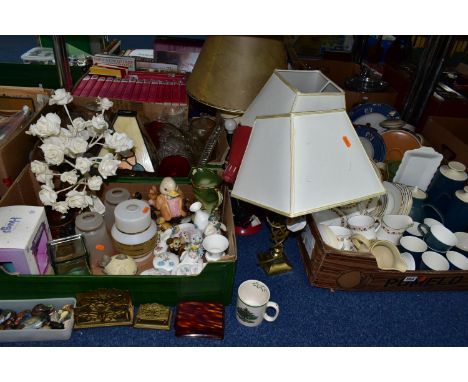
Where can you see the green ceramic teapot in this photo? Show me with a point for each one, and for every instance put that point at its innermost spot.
(205, 183)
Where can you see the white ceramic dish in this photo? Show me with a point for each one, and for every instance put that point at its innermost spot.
(37, 334)
(418, 167)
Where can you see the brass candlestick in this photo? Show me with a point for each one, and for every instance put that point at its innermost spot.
(275, 261)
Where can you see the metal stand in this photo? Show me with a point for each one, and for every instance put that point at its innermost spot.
(61, 60)
(275, 261)
(431, 64)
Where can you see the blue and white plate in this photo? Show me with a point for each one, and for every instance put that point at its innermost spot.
(372, 142)
(372, 114)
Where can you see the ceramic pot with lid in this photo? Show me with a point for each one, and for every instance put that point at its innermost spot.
(447, 180)
(134, 232)
(456, 217)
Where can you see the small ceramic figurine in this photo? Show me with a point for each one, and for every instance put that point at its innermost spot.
(169, 202)
(214, 226)
(194, 245)
(176, 245)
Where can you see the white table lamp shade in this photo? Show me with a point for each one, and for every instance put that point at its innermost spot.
(301, 163)
(294, 91)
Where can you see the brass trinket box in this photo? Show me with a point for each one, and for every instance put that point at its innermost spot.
(103, 307)
(153, 316)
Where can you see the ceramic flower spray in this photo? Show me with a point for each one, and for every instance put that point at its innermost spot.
(69, 145)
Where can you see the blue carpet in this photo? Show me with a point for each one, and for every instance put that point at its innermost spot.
(312, 316)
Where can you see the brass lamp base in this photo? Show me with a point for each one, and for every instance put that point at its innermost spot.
(274, 262)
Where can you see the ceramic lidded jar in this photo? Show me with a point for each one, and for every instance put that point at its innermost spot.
(456, 217)
(134, 232)
(448, 179)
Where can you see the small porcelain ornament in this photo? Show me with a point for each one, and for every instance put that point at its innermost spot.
(169, 202)
(200, 217)
(214, 226)
(166, 261)
(121, 265)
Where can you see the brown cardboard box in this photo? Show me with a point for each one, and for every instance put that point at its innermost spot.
(331, 268)
(340, 71)
(15, 149)
(449, 136)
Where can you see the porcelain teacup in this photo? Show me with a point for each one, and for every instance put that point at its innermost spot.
(462, 244)
(414, 246)
(343, 235)
(364, 225)
(393, 226)
(457, 260)
(433, 261)
(438, 238)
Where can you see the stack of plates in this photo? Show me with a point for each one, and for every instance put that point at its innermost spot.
(397, 201)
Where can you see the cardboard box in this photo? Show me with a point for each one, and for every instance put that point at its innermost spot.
(449, 136)
(214, 283)
(327, 267)
(339, 72)
(15, 149)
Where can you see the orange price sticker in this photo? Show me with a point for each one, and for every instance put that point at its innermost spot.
(145, 210)
(100, 247)
(346, 141)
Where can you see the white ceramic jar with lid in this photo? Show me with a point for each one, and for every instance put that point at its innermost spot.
(112, 198)
(134, 232)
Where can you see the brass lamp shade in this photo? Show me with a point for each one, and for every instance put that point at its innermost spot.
(231, 70)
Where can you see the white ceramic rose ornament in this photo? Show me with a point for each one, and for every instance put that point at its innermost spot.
(68, 147)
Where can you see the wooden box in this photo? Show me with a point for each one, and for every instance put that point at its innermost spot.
(331, 268)
(214, 283)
